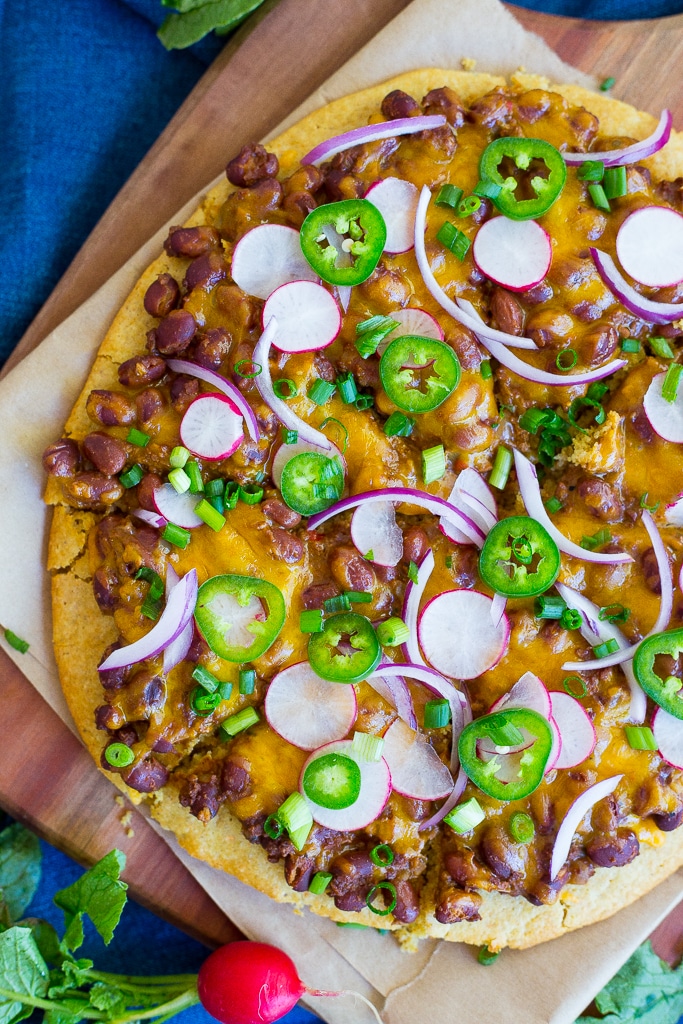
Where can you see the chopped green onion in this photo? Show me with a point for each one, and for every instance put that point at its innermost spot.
(449, 195)
(614, 613)
(319, 882)
(138, 438)
(311, 620)
(600, 200)
(534, 418)
(290, 436)
(671, 382)
(399, 425)
(577, 407)
(297, 818)
(598, 540)
(453, 239)
(502, 464)
(468, 206)
(176, 535)
(485, 369)
(392, 632)
(238, 723)
(437, 713)
(205, 679)
(179, 457)
(232, 493)
(597, 391)
(348, 390)
(487, 189)
(630, 345)
(151, 577)
(371, 332)
(522, 827)
(382, 855)
(339, 603)
(195, 474)
(433, 463)
(273, 827)
(610, 646)
(591, 170)
(209, 515)
(607, 84)
(449, 561)
(572, 690)
(247, 681)
(465, 817)
(247, 368)
(225, 690)
(179, 481)
(571, 619)
(661, 347)
(285, 388)
(321, 391)
(372, 895)
(217, 503)
(250, 494)
(367, 747)
(644, 504)
(118, 755)
(553, 505)
(369, 555)
(614, 183)
(16, 642)
(549, 606)
(343, 434)
(412, 571)
(151, 608)
(640, 737)
(203, 703)
(486, 957)
(359, 596)
(215, 488)
(364, 402)
(132, 476)
(566, 359)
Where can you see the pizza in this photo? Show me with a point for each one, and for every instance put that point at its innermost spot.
(366, 520)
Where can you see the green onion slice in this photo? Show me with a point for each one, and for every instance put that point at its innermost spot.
(522, 827)
(247, 368)
(285, 388)
(118, 755)
(392, 632)
(16, 642)
(342, 441)
(319, 882)
(574, 690)
(375, 891)
(209, 515)
(311, 620)
(382, 855)
(433, 463)
(367, 747)
(247, 681)
(502, 464)
(465, 817)
(437, 713)
(244, 719)
(297, 819)
(671, 383)
(640, 737)
(205, 679)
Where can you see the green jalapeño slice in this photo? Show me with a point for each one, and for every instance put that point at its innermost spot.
(519, 558)
(344, 241)
(239, 616)
(311, 482)
(418, 374)
(346, 650)
(654, 664)
(332, 780)
(505, 753)
(542, 181)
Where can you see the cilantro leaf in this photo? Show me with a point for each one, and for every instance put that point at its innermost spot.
(646, 990)
(22, 970)
(194, 22)
(100, 894)
(19, 868)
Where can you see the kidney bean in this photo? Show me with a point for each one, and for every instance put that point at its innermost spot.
(103, 585)
(399, 104)
(532, 105)
(667, 822)
(192, 242)
(286, 547)
(316, 595)
(110, 408)
(341, 185)
(248, 207)
(671, 192)
(349, 868)
(206, 271)
(460, 866)
(407, 903)
(466, 567)
(613, 850)
(506, 311)
(648, 562)
(458, 905)
(386, 289)
(352, 901)
(147, 776)
(350, 570)
(148, 404)
(306, 178)
(324, 368)
(211, 347)
(465, 346)
(146, 693)
(183, 391)
(109, 717)
(541, 292)
(253, 163)
(61, 458)
(417, 810)
(580, 871)
(572, 271)
(162, 296)
(642, 425)
(548, 327)
(202, 798)
(544, 894)
(145, 491)
(298, 871)
(543, 812)
(584, 126)
(599, 344)
(298, 205)
(93, 490)
(162, 746)
(492, 110)
(442, 145)
(445, 101)
(481, 214)
(280, 513)
(113, 678)
(141, 370)
(415, 544)
(242, 310)
(235, 781)
(175, 332)
(500, 853)
(106, 453)
(602, 499)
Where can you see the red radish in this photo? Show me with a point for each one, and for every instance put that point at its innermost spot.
(668, 733)
(411, 606)
(666, 418)
(178, 649)
(212, 427)
(221, 383)
(330, 709)
(395, 691)
(287, 451)
(650, 246)
(457, 634)
(416, 769)
(674, 512)
(307, 316)
(373, 528)
(412, 320)
(647, 309)
(576, 730)
(573, 818)
(255, 983)
(269, 256)
(528, 692)
(177, 508)
(375, 787)
(396, 200)
(556, 749)
(514, 253)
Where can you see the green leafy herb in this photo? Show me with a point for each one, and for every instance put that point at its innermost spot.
(196, 18)
(100, 894)
(24, 975)
(645, 990)
(19, 868)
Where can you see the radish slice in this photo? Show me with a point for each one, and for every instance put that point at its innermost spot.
(650, 246)
(411, 606)
(269, 256)
(396, 200)
(170, 624)
(531, 496)
(212, 427)
(528, 692)
(178, 649)
(177, 508)
(395, 691)
(514, 253)
(221, 384)
(373, 133)
(573, 818)
(287, 451)
(673, 513)
(375, 787)
(666, 418)
(330, 709)
(556, 749)
(151, 518)
(576, 730)
(416, 769)
(458, 636)
(629, 154)
(307, 317)
(668, 733)
(412, 320)
(646, 309)
(373, 528)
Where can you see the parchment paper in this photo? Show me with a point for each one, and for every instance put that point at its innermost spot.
(547, 985)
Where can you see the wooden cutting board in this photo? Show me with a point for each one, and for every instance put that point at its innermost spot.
(46, 777)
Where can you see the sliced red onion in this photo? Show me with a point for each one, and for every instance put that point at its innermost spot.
(282, 410)
(178, 649)
(395, 691)
(647, 309)
(411, 606)
(629, 154)
(416, 769)
(411, 496)
(374, 528)
(518, 366)
(573, 818)
(531, 496)
(172, 621)
(458, 790)
(498, 606)
(471, 495)
(435, 290)
(344, 293)
(151, 518)
(372, 133)
(219, 382)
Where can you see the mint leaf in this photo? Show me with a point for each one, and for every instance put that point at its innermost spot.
(19, 868)
(100, 894)
(22, 970)
(646, 990)
(181, 30)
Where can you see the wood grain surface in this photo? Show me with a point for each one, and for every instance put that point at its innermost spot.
(46, 778)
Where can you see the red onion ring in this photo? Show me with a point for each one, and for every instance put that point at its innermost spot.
(172, 621)
(629, 154)
(498, 606)
(573, 819)
(217, 380)
(264, 385)
(372, 133)
(460, 783)
(531, 496)
(411, 496)
(178, 649)
(151, 518)
(411, 606)
(646, 309)
(395, 691)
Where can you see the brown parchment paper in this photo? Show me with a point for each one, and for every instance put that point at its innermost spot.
(549, 984)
